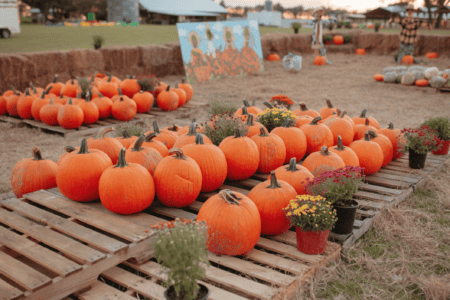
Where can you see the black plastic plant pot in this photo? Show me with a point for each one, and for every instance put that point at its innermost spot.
(346, 218)
(203, 293)
(417, 160)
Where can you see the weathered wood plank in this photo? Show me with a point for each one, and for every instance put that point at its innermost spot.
(380, 189)
(365, 226)
(9, 292)
(100, 290)
(281, 263)
(386, 182)
(396, 177)
(372, 196)
(407, 174)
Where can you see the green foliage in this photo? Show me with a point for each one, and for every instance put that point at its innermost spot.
(330, 26)
(347, 39)
(181, 247)
(134, 129)
(84, 84)
(327, 38)
(98, 41)
(420, 140)
(296, 25)
(441, 125)
(218, 107)
(348, 25)
(24, 20)
(377, 26)
(223, 125)
(147, 82)
(275, 117)
(340, 25)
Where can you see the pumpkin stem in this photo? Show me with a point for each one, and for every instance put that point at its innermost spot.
(273, 181)
(69, 149)
(173, 128)
(150, 136)
(121, 162)
(324, 150)
(343, 114)
(109, 78)
(262, 131)
(126, 135)
(36, 154)
(229, 196)
(237, 133)
(268, 105)
(100, 94)
(292, 165)
(79, 96)
(199, 139)
(329, 103)
(316, 120)
(27, 92)
(303, 106)
(391, 126)
(192, 129)
(51, 101)
(250, 120)
(155, 127)
(120, 92)
(88, 97)
(13, 89)
(183, 80)
(104, 132)
(42, 95)
(138, 144)
(73, 82)
(178, 153)
(55, 78)
(246, 104)
(367, 122)
(168, 88)
(363, 113)
(287, 123)
(83, 147)
(48, 90)
(70, 101)
(367, 136)
(372, 134)
(244, 111)
(340, 146)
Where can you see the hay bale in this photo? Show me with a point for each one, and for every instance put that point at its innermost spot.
(122, 60)
(157, 60)
(300, 43)
(177, 65)
(84, 62)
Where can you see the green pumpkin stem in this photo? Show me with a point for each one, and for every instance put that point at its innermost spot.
(178, 153)
(316, 120)
(324, 150)
(244, 111)
(367, 122)
(55, 78)
(36, 154)
(84, 147)
(173, 128)
(273, 181)
(88, 97)
(340, 145)
(121, 162)
(372, 134)
(192, 129)
(27, 92)
(109, 78)
(125, 134)
(329, 105)
(100, 95)
(268, 105)
(73, 83)
(367, 136)
(51, 101)
(253, 102)
(48, 90)
(42, 95)
(150, 136)
(237, 133)
(138, 144)
(155, 127)
(229, 196)
(303, 106)
(363, 113)
(391, 126)
(199, 139)
(292, 165)
(262, 131)
(120, 92)
(250, 120)
(246, 104)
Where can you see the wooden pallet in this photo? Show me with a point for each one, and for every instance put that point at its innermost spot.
(11, 120)
(443, 90)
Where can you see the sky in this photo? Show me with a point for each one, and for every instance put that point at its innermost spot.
(350, 5)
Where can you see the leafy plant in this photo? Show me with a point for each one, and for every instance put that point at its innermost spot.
(180, 245)
(222, 107)
(275, 117)
(348, 25)
(98, 41)
(311, 213)
(347, 39)
(221, 126)
(85, 85)
(327, 38)
(147, 82)
(377, 26)
(340, 25)
(421, 140)
(134, 129)
(441, 125)
(337, 186)
(296, 26)
(330, 26)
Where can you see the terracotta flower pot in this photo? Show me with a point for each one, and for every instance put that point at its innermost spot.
(311, 242)
(444, 148)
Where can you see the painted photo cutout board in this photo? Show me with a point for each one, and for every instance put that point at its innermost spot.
(211, 50)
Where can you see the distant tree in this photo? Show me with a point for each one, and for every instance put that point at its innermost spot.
(436, 3)
(223, 4)
(278, 7)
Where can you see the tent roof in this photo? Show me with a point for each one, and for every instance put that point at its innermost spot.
(184, 7)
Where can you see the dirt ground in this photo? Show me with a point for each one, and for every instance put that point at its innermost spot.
(348, 82)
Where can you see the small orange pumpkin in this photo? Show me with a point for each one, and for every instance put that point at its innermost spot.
(431, 55)
(150, 141)
(104, 105)
(361, 119)
(130, 87)
(378, 77)
(347, 154)
(11, 104)
(253, 127)
(408, 59)
(361, 129)
(108, 145)
(385, 144)
(317, 135)
(251, 109)
(339, 126)
(167, 137)
(2, 105)
(305, 111)
(294, 174)
(107, 88)
(190, 137)
(394, 135)
(24, 105)
(328, 110)
(273, 57)
(126, 139)
(272, 151)
(49, 113)
(294, 140)
(124, 109)
(144, 101)
(187, 88)
(422, 82)
(369, 153)
(90, 110)
(322, 161)
(338, 40)
(167, 100)
(181, 96)
(360, 51)
(56, 87)
(70, 116)
(320, 60)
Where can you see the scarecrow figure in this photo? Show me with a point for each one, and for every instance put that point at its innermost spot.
(211, 50)
(230, 56)
(317, 39)
(249, 59)
(408, 35)
(198, 68)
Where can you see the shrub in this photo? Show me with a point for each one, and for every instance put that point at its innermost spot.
(98, 41)
(330, 26)
(348, 25)
(223, 125)
(377, 26)
(221, 107)
(441, 125)
(347, 39)
(134, 129)
(327, 38)
(296, 26)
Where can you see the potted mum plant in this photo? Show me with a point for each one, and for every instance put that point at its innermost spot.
(338, 187)
(313, 218)
(275, 117)
(419, 141)
(180, 245)
(442, 127)
(296, 26)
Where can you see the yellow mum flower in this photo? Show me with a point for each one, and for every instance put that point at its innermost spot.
(276, 119)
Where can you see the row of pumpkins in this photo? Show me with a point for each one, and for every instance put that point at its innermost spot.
(61, 104)
(415, 75)
(126, 173)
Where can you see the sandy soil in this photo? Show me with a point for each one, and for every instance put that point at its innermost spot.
(348, 82)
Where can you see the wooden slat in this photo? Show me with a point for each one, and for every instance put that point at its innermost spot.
(41, 255)
(252, 270)
(11, 120)
(100, 290)
(248, 183)
(42, 125)
(287, 250)
(386, 182)
(387, 171)
(281, 263)
(262, 177)
(372, 196)
(396, 177)
(20, 273)
(75, 250)
(370, 204)
(380, 189)
(405, 162)
(94, 217)
(172, 212)
(81, 233)
(135, 283)
(9, 292)
(236, 189)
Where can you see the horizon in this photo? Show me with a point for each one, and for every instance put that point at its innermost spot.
(349, 5)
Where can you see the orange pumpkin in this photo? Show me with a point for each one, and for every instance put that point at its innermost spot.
(294, 174)
(305, 111)
(49, 113)
(152, 142)
(385, 144)
(107, 88)
(339, 126)
(362, 120)
(56, 87)
(378, 77)
(242, 156)
(167, 100)
(70, 116)
(187, 88)
(78, 174)
(407, 59)
(317, 135)
(422, 82)
(68, 150)
(181, 96)
(234, 223)
(251, 109)
(322, 161)
(431, 55)
(190, 137)
(320, 60)
(33, 174)
(124, 109)
(108, 145)
(294, 140)
(90, 111)
(212, 163)
(38, 103)
(253, 127)
(178, 180)
(245, 114)
(70, 89)
(270, 197)
(147, 157)
(104, 106)
(144, 101)
(347, 154)
(273, 57)
(394, 135)
(126, 139)
(361, 129)
(369, 153)
(11, 104)
(130, 87)
(338, 40)
(328, 110)
(360, 51)
(166, 137)
(272, 151)
(302, 120)
(24, 105)
(2, 105)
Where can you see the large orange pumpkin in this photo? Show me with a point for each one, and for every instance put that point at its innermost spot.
(272, 151)
(130, 87)
(394, 135)
(104, 105)
(126, 188)
(144, 101)
(24, 105)
(317, 135)
(70, 89)
(338, 40)
(347, 154)
(11, 104)
(361, 129)
(323, 161)
(70, 116)
(385, 144)
(320, 60)
(242, 156)
(108, 145)
(90, 111)
(56, 87)
(339, 126)
(68, 150)
(2, 105)
(166, 137)
(234, 223)
(361, 119)
(187, 88)
(305, 111)
(181, 96)
(270, 197)
(33, 174)
(369, 153)
(124, 109)
(49, 113)
(253, 127)
(302, 120)
(178, 180)
(294, 140)
(152, 142)
(78, 174)
(211, 160)
(251, 109)
(408, 59)
(147, 157)
(294, 174)
(190, 137)
(167, 100)
(328, 110)
(108, 88)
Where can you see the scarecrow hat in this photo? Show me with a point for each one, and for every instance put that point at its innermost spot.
(318, 10)
(410, 7)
